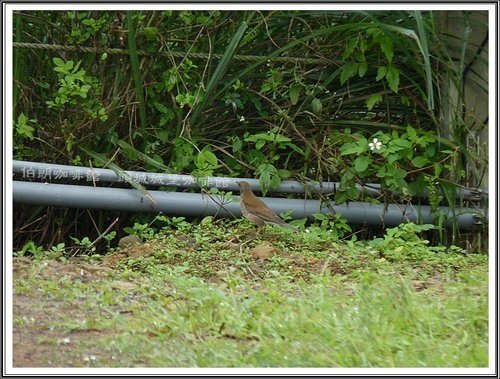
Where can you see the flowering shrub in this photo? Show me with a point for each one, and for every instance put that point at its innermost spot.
(402, 162)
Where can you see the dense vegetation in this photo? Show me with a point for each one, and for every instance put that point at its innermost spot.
(353, 97)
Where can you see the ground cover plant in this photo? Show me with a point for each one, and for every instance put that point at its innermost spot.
(216, 294)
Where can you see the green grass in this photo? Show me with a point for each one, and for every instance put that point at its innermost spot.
(208, 302)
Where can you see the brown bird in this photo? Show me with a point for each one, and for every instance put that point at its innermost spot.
(256, 211)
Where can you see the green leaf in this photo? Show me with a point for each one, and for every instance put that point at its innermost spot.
(237, 144)
(340, 197)
(134, 153)
(22, 119)
(23, 128)
(280, 139)
(362, 163)
(386, 47)
(316, 106)
(372, 100)
(351, 148)
(392, 78)
(399, 144)
(295, 148)
(275, 182)
(350, 48)
(363, 67)
(320, 216)
(294, 93)
(420, 161)
(206, 160)
(62, 69)
(348, 71)
(58, 62)
(412, 133)
(284, 174)
(150, 33)
(362, 44)
(424, 49)
(430, 150)
(450, 193)
(381, 72)
(438, 169)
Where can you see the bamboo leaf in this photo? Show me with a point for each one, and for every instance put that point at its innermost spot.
(120, 172)
(288, 46)
(136, 70)
(133, 151)
(220, 70)
(422, 42)
(16, 62)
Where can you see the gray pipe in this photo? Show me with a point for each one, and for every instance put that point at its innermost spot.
(195, 204)
(47, 171)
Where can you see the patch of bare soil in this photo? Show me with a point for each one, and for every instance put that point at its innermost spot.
(37, 342)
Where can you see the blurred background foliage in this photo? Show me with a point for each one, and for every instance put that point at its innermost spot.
(273, 95)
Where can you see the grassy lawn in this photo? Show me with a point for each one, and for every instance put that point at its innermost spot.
(217, 294)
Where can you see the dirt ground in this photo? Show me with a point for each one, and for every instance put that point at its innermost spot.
(39, 340)
(35, 342)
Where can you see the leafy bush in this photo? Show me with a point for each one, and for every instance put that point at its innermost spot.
(247, 102)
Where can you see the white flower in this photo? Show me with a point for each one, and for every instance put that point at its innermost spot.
(376, 144)
(242, 118)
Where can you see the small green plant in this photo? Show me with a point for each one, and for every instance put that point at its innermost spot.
(206, 163)
(403, 234)
(85, 242)
(76, 87)
(109, 237)
(59, 248)
(267, 153)
(83, 27)
(178, 223)
(24, 132)
(356, 63)
(30, 247)
(401, 162)
(144, 231)
(25, 127)
(334, 223)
